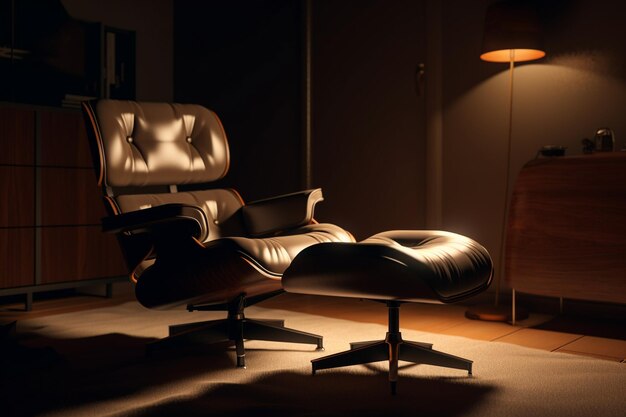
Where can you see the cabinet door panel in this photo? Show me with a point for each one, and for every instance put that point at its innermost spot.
(17, 136)
(17, 188)
(77, 253)
(64, 139)
(70, 197)
(17, 257)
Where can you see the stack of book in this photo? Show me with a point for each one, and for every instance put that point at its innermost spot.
(72, 101)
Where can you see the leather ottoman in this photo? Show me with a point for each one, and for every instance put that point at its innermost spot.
(393, 267)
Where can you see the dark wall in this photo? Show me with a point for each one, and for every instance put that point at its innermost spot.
(368, 147)
(243, 59)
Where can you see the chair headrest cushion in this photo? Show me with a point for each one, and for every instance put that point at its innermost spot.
(143, 143)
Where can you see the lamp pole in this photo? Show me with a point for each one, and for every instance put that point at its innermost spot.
(512, 33)
(507, 180)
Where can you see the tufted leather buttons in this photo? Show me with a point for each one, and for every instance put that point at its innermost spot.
(129, 139)
(188, 139)
(216, 221)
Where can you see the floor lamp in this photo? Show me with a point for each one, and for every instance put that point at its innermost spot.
(512, 34)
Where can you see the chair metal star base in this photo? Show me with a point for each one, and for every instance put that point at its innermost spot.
(393, 349)
(234, 329)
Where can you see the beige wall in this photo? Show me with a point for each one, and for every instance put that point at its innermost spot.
(580, 86)
(152, 21)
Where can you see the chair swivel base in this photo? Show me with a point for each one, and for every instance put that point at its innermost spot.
(234, 329)
(392, 349)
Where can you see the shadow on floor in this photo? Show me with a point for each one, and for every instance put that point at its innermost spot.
(43, 374)
(336, 393)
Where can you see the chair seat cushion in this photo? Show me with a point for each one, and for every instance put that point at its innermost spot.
(227, 267)
(403, 265)
(275, 253)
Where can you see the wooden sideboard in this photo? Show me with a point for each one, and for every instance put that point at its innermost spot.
(51, 206)
(566, 234)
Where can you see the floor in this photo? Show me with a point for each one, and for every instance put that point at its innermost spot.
(600, 339)
(450, 319)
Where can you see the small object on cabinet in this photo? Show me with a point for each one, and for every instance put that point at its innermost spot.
(604, 140)
(551, 150)
(588, 146)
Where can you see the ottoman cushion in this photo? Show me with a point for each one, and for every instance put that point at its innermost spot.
(402, 265)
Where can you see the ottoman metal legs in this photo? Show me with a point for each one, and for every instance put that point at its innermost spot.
(392, 348)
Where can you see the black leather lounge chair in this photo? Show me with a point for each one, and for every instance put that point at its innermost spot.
(185, 242)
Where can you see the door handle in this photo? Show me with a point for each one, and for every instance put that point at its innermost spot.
(420, 71)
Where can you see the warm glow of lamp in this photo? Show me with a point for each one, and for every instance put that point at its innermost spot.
(519, 55)
(512, 34)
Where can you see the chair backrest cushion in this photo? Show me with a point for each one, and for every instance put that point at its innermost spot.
(142, 143)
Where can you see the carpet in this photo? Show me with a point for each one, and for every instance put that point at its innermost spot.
(92, 363)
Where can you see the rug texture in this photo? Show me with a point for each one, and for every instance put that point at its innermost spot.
(93, 363)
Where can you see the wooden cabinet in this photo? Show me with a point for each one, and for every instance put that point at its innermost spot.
(64, 140)
(17, 203)
(17, 255)
(51, 205)
(17, 140)
(566, 233)
(17, 187)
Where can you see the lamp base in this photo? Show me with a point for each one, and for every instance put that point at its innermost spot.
(495, 313)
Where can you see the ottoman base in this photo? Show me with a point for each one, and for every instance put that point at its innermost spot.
(392, 348)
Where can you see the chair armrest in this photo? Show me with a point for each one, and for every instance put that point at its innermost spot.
(281, 213)
(187, 219)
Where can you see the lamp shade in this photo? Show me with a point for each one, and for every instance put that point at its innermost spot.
(512, 33)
